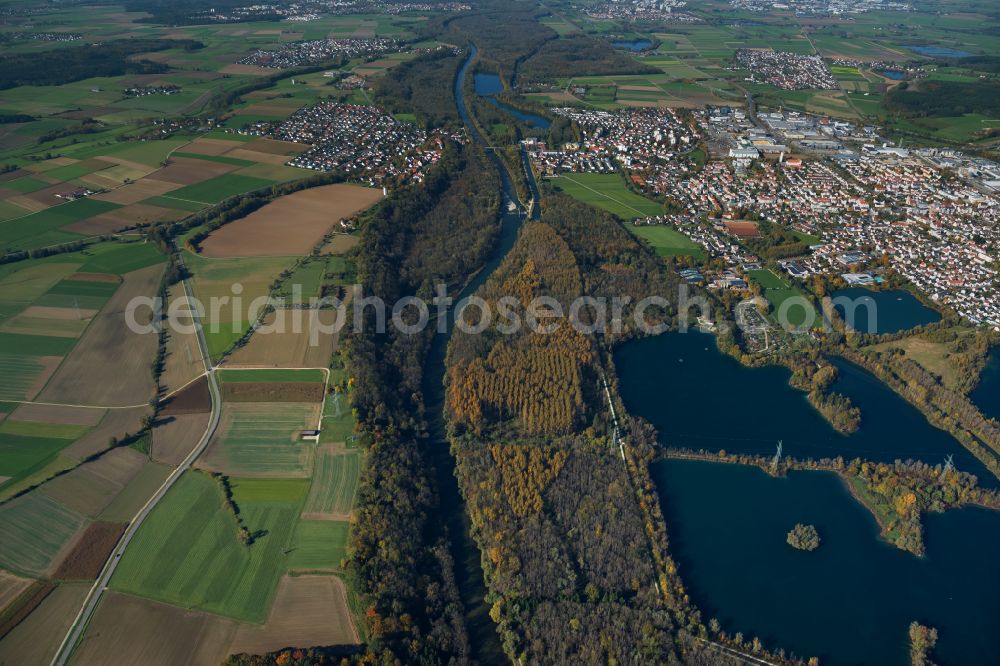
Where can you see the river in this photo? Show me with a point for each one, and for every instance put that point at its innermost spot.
(488, 85)
(851, 600)
(486, 646)
(698, 398)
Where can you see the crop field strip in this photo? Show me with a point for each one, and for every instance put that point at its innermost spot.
(334, 484)
(261, 439)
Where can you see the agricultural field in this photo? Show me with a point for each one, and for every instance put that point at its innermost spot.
(608, 192)
(36, 530)
(307, 610)
(188, 552)
(242, 281)
(334, 483)
(262, 439)
(290, 225)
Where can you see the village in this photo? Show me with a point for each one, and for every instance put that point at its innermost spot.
(301, 53)
(788, 71)
(361, 140)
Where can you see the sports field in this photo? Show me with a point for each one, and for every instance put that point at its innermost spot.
(667, 241)
(606, 191)
(777, 291)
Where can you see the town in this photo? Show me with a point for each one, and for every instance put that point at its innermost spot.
(932, 215)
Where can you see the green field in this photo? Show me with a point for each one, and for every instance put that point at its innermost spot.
(318, 544)
(121, 258)
(261, 439)
(338, 420)
(35, 528)
(777, 291)
(606, 191)
(334, 482)
(188, 552)
(42, 229)
(45, 430)
(33, 345)
(22, 455)
(667, 241)
(17, 375)
(229, 376)
(216, 189)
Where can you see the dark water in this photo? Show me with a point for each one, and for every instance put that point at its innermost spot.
(939, 52)
(486, 645)
(986, 395)
(850, 601)
(895, 76)
(634, 45)
(699, 398)
(888, 311)
(488, 85)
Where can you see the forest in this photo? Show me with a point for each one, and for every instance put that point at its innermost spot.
(422, 86)
(59, 66)
(579, 55)
(944, 99)
(399, 557)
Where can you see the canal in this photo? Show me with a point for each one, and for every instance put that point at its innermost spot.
(483, 637)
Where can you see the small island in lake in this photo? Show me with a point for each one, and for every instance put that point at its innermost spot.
(803, 537)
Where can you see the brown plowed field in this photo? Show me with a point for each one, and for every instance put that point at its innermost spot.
(272, 392)
(129, 630)
(289, 349)
(289, 225)
(90, 553)
(110, 364)
(58, 414)
(115, 423)
(307, 611)
(175, 436)
(187, 171)
(192, 399)
(36, 638)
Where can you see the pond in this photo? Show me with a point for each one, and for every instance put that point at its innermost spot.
(633, 45)
(939, 52)
(986, 395)
(699, 398)
(848, 602)
(888, 311)
(489, 85)
(889, 74)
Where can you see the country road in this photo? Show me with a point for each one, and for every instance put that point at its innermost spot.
(76, 630)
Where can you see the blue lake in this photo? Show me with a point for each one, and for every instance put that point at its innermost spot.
(939, 52)
(850, 601)
(986, 395)
(888, 311)
(635, 45)
(488, 85)
(699, 398)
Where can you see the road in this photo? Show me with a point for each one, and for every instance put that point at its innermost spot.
(101, 584)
